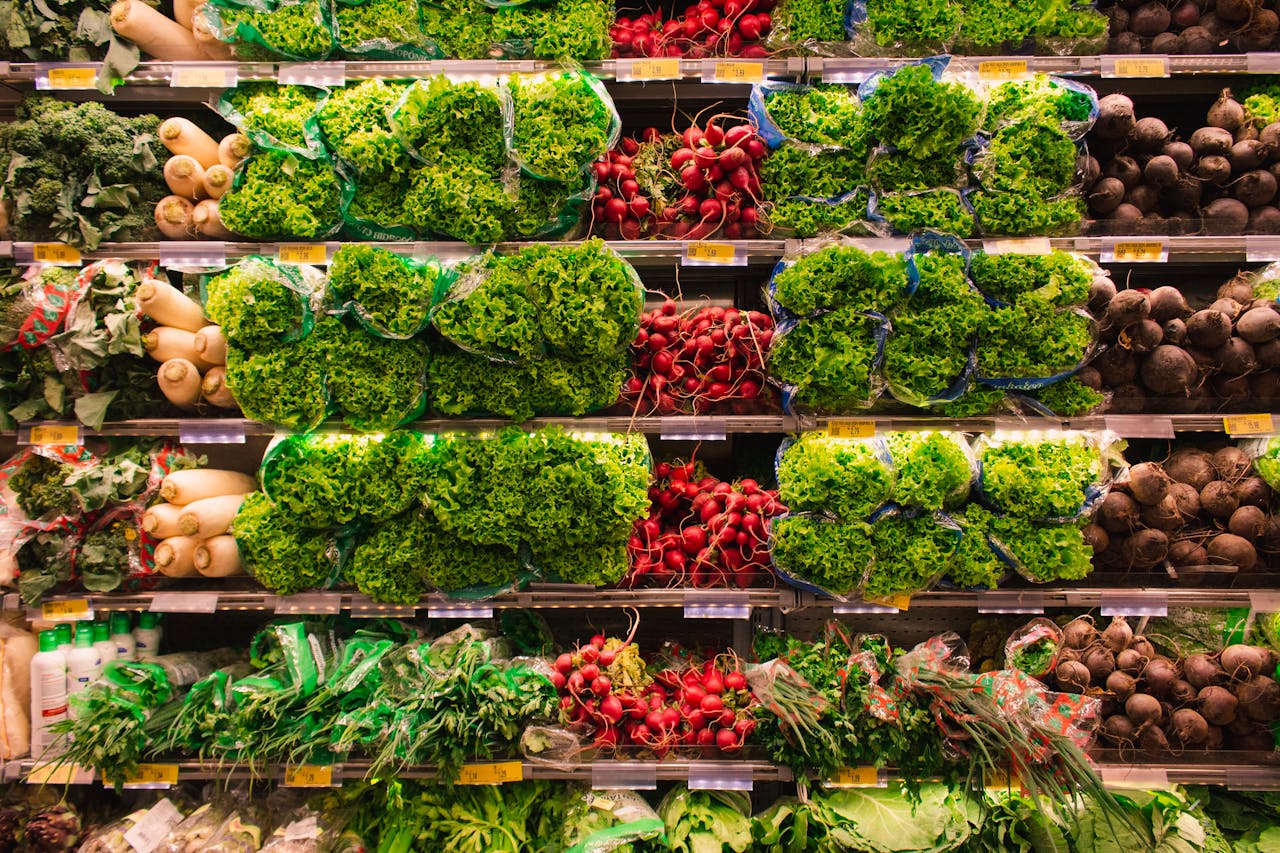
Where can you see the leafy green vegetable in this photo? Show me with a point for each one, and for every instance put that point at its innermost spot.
(840, 277)
(932, 468)
(913, 23)
(793, 171)
(975, 564)
(707, 821)
(1041, 98)
(829, 359)
(78, 173)
(314, 479)
(286, 114)
(561, 125)
(937, 210)
(566, 29)
(444, 121)
(1031, 339)
(1069, 398)
(912, 111)
(288, 29)
(490, 310)
(589, 299)
(257, 303)
(40, 486)
(281, 384)
(458, 200)
(928, 351)
(1058, 277)
(831, 555)
(284, 556)
(380, 28)
(910, 553)
(355, 124)
(800, 21)
(61, 30)
(804, 218)
(389, 293)
(850, 478)
(1043, 552)
(826, 114)
(1039, 477)
(377, 383)
(465, 384)
(276, 195)
(1018, 213)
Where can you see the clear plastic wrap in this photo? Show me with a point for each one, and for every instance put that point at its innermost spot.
(1034, 647)
(279, 118)
(36, 305)
(383, 30)
(258, 302)
(296, 30)
(546, 102)
(274, 196)
(1045, 475)
(849, 478)
(830, 363)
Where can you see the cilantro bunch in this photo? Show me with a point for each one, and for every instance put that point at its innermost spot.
(562, 124)
(277, 195)
(839, 277)
(848, 478)
(830, 360)
(1040, 476)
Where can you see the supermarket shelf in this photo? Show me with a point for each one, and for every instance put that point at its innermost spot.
(1111, 599)
(192, 81)
(629, 775)
(1112, 250)
(705, 604)
(1246, 771)
(674, 427)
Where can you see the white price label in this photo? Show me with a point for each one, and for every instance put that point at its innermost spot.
(152, 828)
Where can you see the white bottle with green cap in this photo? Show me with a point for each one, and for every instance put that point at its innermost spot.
(126, 648)
(102, 642)
(147, 636)
(66, 638)
(48, 692)
(84, 664)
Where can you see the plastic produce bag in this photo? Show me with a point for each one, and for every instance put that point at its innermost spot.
(933, 470)
(377, 383)
(848, 478)
(35, 306)
(274, 195)
(913, 550)
(825, 276)
(814, 118)
(600, 821)
(829, 363)
(1034, 648)
(818, 554)
(1072, 104)
(259, 303)
(280, 118)
(382, 29)
(439, 120)
(1045, 475)
(550, 210)
(1029, 346)
(297, 30)
(562, 123)
(489, 310)
(389, 294)
(375, 208)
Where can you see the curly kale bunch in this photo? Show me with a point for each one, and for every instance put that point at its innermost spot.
(80, 174)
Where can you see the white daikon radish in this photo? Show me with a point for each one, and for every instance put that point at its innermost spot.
(161, 521)
(211, 345)
(179, 381)
(192, 484)
(209, 516)
(219, 557)
(176, 556)
(215, 390)
(168, 306)
(181, 136)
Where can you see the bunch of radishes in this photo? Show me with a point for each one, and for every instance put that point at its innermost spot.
(705, 532)
(708, 28)
(687, 361)
(605, 686)
(691, 186)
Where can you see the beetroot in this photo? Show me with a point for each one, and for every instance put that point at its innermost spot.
(1208, 329)
(1217, 705)
(1229, 549)
(1169, 370)
(1115, 116)
(1118, 513)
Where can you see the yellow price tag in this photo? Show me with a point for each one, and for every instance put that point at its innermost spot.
(498, 773)
(856, 777)
(739, 72)
(73, 78)
(54, 773)
(1139, 250)
(55, 253)
(308, 776)
(56, 434)
(713, 253)
(1002, 69)
(1248, 424)
(1000, 777)
(153, 774)
(302, 253)
(1142, 66)
(900, 600)
(604, 804)
(851, 428)
(655, 69)
(70, 610)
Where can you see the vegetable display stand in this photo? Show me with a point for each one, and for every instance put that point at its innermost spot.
(521, 458)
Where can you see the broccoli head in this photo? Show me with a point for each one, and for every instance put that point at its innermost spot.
(43, 197)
